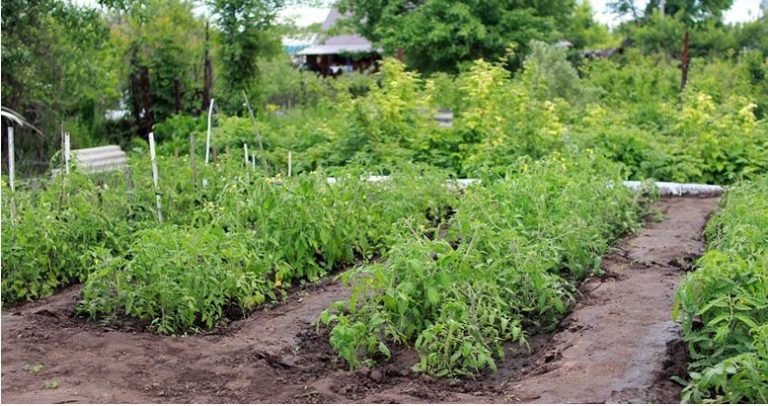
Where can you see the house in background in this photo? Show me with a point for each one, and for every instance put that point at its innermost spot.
(333, 56)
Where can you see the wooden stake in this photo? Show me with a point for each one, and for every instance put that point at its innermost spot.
(290, 163)
(128, 183)
(67, 153)
(214, 153)
(255, 128)
(192, 158)
(245, 154)
(155, 175)
(12, 175)
(11, 161)
(208, 138)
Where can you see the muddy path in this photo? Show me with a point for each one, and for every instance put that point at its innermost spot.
(617, 345)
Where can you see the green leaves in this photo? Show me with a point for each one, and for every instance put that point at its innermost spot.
(244, 239)
(728, 296)
(513, 252)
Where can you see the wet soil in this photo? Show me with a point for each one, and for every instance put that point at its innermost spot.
(618, 344)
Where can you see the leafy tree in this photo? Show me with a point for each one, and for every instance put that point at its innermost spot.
(584, 32)
(245, 35)
(161, 45)
(441, 35)
(58, 67)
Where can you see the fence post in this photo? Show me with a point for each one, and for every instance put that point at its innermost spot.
(154, 174)
(245, 154)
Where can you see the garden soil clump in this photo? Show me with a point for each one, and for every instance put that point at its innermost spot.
(618, 344)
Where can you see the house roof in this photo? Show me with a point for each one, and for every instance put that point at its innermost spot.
(337, 44)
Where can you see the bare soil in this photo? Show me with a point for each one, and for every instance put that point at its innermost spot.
(618, 344)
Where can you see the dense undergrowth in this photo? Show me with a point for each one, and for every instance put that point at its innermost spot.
(507, 267)
(724, 303)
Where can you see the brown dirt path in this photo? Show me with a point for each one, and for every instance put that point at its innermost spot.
(615, 346)
(619, 344)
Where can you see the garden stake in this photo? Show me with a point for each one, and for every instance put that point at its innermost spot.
(154, 174)
(192, 158)
(208, 137)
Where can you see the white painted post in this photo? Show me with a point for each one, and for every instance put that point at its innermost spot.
(67, 152)
(12, 174)
(154, 174)
(208, 138)
(253, 160)
(290, 163)
(245, 154)
(11, 160)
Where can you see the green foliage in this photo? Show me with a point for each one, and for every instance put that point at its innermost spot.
(506, 268)
(165, 38)
(177, 278)
(724, 303)
(714, 137)
(245, 36)
(45, 44)
(46, 245)
(630, 110)
(440, 35)
(244, 237)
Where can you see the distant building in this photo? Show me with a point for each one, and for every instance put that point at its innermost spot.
(333, 56)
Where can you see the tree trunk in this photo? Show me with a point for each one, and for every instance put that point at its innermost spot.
(149, 119)
(207, 73)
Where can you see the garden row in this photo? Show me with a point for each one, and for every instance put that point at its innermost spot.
(507, 267)
(724, 303)
(238, 241)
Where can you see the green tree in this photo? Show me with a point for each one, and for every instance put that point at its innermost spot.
(584, 32)
(245, 34)
(57, 67)
(161, 46)
(441, 35)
